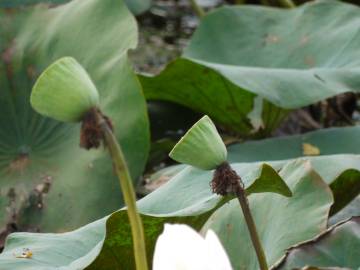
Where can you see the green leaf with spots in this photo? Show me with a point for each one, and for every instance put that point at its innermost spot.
(339, 247)
(338, 163)
(48, 182)
(329, 141)
(281, 222)
(106, 243)
(187, 198)
(341, 172)
(247, 65)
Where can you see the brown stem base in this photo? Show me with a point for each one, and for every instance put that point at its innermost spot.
(227, 182)
(91, 135)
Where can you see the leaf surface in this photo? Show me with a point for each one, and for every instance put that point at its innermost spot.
(339, 247)
(106, 243)
(281, 222)
(247, 65)
(47, 181)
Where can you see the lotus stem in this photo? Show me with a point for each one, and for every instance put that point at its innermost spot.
(241, 195)
(227, 182)
(287, 3)
(198, 10)
(122, 172)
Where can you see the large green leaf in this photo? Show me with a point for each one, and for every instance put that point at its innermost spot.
(186, 198)
(247, 64)
(339, 246)
(47, 181)
(281, 222)
(106, 244)
(350, 210)
(136, 6)
(329, 142)
(341, 172)
(18, 3)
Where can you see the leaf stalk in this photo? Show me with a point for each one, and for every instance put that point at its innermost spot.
(122, 172)
(198, 10)
(241, 195)
(287, 3)
(227, 182)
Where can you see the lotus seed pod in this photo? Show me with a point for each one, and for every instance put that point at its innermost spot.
(201, 146)
(64, 91)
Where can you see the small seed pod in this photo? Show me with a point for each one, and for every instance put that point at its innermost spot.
(64, 91)
(201, 146)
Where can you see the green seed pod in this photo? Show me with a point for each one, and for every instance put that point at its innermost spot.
(64, 91)
(201, 146)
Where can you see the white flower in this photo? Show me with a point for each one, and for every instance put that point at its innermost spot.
(180, 247)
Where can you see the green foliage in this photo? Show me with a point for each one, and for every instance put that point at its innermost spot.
(64, 91)
(191, 202)
(246, 66)
(280, 221)
(135, 6)
(339, 171)
(339, 246)
(201, 146)
(329, 141)
(47, 181)
(18, 3)
(138, 6)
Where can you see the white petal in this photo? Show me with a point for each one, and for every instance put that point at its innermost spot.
(216, 252)
(180, 247)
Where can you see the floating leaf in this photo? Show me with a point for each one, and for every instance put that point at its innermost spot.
(136, 6)
(281, 222)
(341, 172)
(339, 247)
(43, 171)
(191, 202)
(331, 141)
(241, 53)
(107, 243)
(350, 210)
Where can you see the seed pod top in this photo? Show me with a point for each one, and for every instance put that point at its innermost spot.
(201, 146)
(64, 91)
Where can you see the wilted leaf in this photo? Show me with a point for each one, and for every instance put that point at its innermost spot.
(310, 150)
